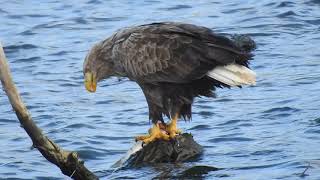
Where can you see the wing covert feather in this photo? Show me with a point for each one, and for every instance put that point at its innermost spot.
(172, 52)
(156, 57)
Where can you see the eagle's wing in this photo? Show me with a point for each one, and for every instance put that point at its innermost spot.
(176, 53)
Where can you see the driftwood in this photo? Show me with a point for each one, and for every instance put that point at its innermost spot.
(182, 148)
(67, 161)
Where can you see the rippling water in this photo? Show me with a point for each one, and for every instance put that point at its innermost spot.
(270, 131)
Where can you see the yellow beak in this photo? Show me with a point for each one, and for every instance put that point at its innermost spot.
(90, 82)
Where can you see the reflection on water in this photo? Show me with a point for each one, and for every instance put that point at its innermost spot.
(269, 131)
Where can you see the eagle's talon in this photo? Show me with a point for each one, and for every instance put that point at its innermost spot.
(173, 135)
(154, 133)
(141, 138)
(172, 129)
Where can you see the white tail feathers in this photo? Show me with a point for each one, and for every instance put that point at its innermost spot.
(233, 75)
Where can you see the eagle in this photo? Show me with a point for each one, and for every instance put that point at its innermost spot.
(172, 63)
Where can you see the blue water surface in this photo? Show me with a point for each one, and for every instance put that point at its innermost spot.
(269, 131)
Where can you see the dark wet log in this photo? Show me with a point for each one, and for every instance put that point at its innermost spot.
(67, 161)
(183, 148)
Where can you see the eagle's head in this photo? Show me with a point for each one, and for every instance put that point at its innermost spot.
(97, 66)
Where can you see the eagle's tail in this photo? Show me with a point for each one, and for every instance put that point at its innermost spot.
(233, 75)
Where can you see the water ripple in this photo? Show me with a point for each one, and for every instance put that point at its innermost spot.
(89, 153)
(105, 19)
(79, 125)
(286, 4)
(176, 7)
(282, 109)
(27, 60)
(261, 166)
(230, 139)
(287, 14)
(13, 48)
(200, 127)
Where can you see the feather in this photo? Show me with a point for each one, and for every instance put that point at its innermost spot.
(175, 62)
(233, 75)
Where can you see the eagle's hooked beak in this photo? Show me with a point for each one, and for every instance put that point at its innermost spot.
(90, 82)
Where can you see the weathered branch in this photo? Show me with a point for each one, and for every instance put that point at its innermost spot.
(67, 161)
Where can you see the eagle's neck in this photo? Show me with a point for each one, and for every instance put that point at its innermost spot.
(118, 70)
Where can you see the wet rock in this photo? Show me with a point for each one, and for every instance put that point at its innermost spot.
(182, 148)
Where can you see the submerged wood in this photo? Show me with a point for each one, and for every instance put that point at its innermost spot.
(182, 148)
(68, 161)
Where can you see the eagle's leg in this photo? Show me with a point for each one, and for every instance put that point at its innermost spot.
(154, 133)
(172, 128)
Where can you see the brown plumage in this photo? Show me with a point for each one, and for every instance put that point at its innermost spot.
(172, 62)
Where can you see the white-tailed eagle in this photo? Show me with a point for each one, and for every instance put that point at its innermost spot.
(172, 63)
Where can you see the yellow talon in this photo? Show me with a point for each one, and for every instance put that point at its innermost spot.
(154, 133)
(141, 138)
(161, 131)
(172, 127)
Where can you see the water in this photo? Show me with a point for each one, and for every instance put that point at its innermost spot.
(270, 131)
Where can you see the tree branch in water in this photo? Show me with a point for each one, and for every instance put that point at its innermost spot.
(67, 161)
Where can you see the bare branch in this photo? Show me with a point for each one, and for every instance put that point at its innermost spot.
(67, 161)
